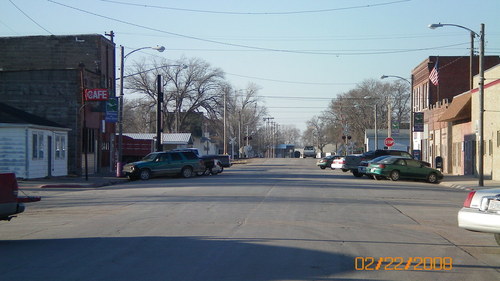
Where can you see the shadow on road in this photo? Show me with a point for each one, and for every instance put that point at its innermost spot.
(164, 258)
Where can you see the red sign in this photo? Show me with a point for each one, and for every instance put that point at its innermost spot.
(96, 94)
(389, 142)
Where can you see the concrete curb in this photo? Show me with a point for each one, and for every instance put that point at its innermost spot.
(86, 185)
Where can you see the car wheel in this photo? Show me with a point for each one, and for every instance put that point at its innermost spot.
(394, 175)
(497, 238)
(357, 174)
(322, 167)
(145, 174)
(187, 172)
(432, 178)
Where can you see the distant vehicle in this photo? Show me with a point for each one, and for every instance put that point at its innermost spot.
(397, 167)
(481, 212)
(325, 162)
(309, 151)
(339, 163)
(184, 163)
(214, 163)
(223, 158)
(10, 203)
(352, 161)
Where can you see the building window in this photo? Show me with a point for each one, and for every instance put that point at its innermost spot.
(38, 145)
(60, 147)
(490, 148)
(498, 138)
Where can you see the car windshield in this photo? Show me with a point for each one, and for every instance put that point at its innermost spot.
(149, 157)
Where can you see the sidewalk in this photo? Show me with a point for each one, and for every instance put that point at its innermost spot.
(94, 181)
(467, 182)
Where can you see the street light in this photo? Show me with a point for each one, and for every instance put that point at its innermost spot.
(120, 114)
(472, 36)
(411, 105)
(481, 92)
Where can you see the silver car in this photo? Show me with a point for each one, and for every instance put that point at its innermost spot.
(481, 212)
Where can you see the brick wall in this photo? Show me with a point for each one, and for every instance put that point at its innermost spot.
(41, 75)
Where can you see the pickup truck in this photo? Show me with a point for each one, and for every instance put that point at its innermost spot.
(10, 203)
(309, 151)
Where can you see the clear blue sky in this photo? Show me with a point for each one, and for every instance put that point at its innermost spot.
(301, 53)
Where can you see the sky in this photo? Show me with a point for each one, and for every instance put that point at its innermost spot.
(301, 54)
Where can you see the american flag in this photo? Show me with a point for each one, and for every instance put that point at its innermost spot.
(434, 76)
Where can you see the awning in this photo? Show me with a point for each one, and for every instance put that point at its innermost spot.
(459, 109)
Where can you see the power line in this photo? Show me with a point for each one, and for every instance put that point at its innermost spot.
(256, 13)
(253, 47)
(290, 82)
(30, 18)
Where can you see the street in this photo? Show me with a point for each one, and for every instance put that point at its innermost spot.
(270, 219)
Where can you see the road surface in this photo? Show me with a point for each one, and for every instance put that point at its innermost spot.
(271, 219)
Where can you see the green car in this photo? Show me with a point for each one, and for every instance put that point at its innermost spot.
(396, 168)
(184, 163)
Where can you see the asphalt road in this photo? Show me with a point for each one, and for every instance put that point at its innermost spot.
(271, 219)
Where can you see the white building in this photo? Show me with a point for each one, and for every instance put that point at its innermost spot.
(31, 146)
(401, 140)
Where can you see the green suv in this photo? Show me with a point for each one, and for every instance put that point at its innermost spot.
(169, 163)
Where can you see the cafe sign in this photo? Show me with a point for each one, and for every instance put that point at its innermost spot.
(96, 94)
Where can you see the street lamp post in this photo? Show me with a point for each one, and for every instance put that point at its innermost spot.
(411, 105)
(480, 165)
(119, 162)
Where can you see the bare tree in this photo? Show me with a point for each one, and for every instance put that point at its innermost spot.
(353, 112)
(290, 135)
(190, 86)
(316, 133)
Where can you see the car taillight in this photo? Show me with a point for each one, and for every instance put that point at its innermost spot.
(342, 161)
(468, 200)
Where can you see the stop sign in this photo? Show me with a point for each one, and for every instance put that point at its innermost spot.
(389, 142)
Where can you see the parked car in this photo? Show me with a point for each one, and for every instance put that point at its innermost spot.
(352, 161)
(339, 163)
(481, 212)
(184, 163)
(363, 165)
(325, 162)
(396, 168)
(309, 151)
(213, 165)
(223, 158)
(10, 203)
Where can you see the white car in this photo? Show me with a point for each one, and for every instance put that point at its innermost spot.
(339, 163)
(481, 212)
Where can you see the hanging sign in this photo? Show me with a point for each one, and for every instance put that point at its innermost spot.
(96, 94)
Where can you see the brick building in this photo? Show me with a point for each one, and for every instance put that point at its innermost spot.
(47, 75)
(433, 100)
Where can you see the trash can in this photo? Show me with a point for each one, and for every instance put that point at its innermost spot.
(438, 163)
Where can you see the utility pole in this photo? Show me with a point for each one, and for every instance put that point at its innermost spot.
(159, 129)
